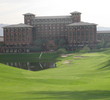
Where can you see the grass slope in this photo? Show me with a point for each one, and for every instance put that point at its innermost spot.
(77, 77)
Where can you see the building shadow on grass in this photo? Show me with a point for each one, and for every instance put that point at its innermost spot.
(68, 95)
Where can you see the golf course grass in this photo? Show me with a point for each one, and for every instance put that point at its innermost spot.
(76, 77)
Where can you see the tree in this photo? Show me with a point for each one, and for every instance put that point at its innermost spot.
(108, 44)
(101, 44)
(61, 43)
(40, 44)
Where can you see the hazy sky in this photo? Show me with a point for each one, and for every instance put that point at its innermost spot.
(94, 11)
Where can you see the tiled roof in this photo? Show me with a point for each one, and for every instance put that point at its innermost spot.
(75, 12)
(28, 14)
(51, 17)
(18, 25)
(81, 24)
(103, 32)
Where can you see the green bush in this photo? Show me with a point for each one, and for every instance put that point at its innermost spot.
(61, 51)
(85, 49)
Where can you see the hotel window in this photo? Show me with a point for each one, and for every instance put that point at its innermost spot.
(6, 30)
(46, 27)
(53, 27)
(28, 20)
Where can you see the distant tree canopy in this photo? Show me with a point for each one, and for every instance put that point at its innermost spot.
(61, 43)
(103, 44)
(40, 44)
(49, 44)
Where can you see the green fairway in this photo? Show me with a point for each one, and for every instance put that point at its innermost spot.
(77, 77)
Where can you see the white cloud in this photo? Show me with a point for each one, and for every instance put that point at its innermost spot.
(96, 11)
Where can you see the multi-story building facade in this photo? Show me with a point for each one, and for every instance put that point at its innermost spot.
(1, 40)
(70, 28)
(81, 34)
(20, 34)
(103, 35)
